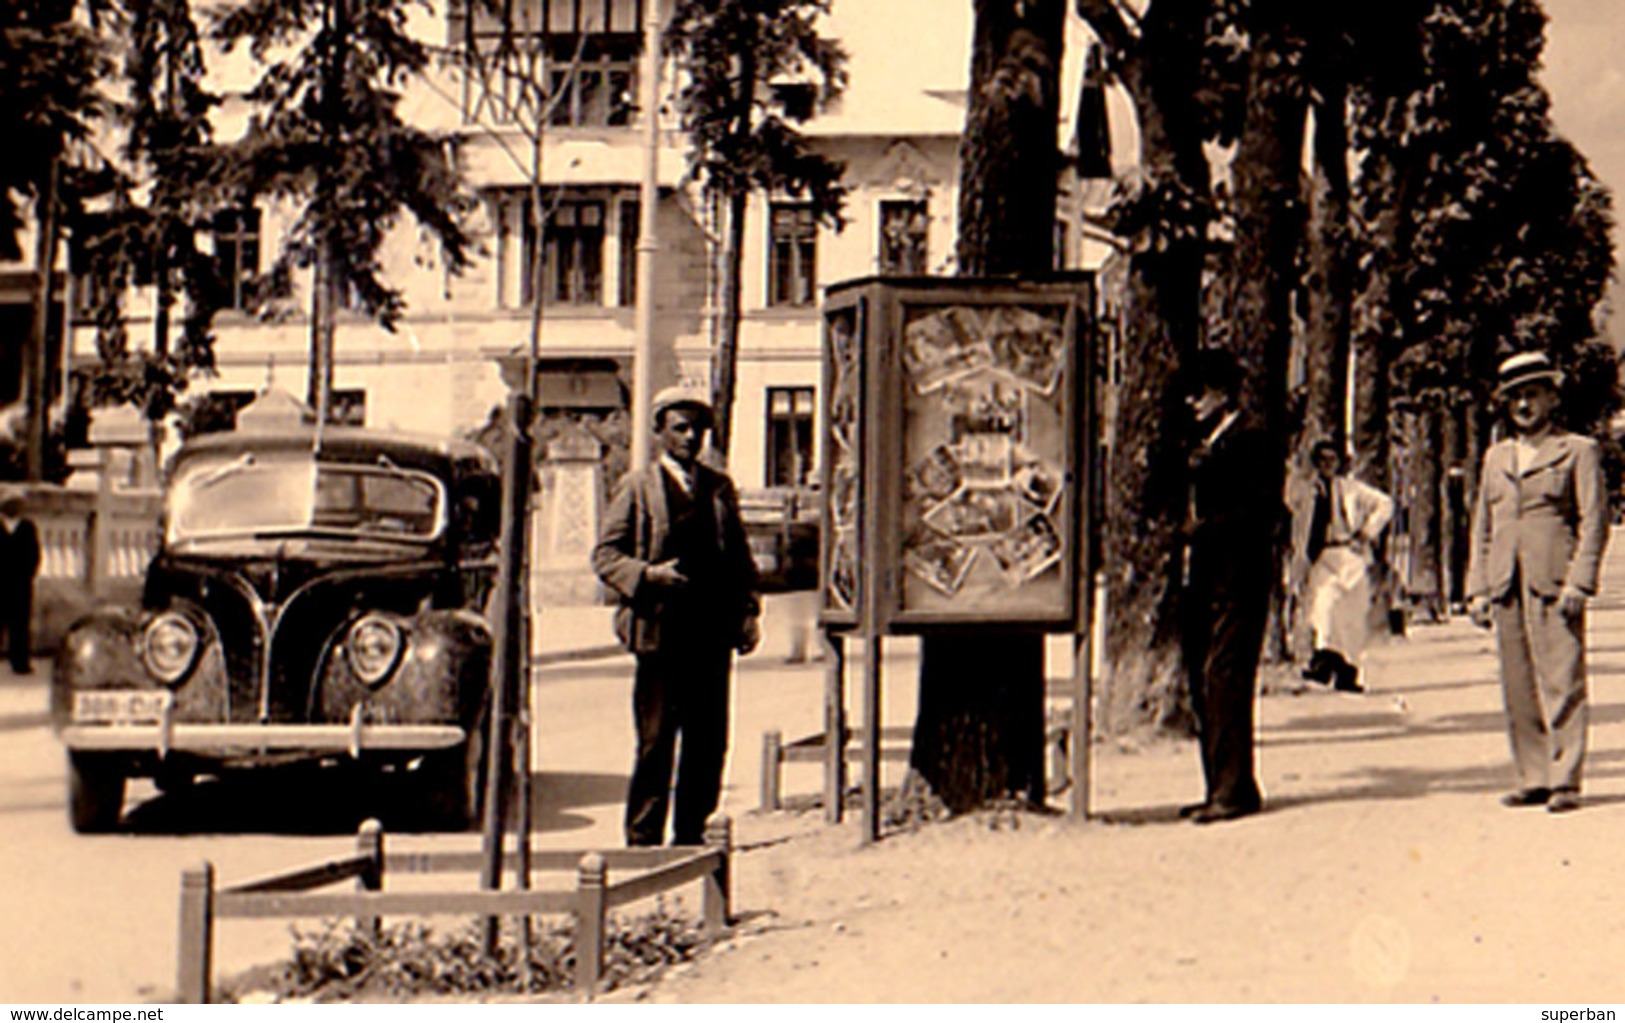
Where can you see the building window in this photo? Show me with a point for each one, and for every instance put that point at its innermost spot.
(236, 255)
(592, 82)
(789, 436)
(792, 277)
(570, 63)
(573, 254)
(631, 225)
(572, 251)
(903, 228)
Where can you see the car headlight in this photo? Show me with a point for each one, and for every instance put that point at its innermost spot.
(169, 647)
(374, 648)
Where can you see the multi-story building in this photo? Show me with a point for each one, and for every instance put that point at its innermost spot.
(897, 128)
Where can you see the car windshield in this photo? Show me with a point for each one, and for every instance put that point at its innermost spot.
(261, 493)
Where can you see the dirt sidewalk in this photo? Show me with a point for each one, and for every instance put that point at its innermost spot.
(1383, 870)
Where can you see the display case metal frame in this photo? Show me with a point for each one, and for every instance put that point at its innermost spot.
(864, 420)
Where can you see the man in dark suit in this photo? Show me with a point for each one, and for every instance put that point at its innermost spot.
(1228, 565)
(673, 549)
(19, 562)
(1539, 526)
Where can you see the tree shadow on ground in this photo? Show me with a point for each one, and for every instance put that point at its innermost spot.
(555, 794)
(1434, 687)
(23, 721)
(1367, 726)
(1392, 784)
(1387, 782)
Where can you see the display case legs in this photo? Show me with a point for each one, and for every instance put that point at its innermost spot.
(835, 730)
(872, 652)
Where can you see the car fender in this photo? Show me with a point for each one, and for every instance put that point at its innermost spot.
(102, 650)
(99, 651)
(441, 675)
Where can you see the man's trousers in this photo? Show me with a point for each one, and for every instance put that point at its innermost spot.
(1543, 680)
(1224, 610)
(683, 693)
(15, 611)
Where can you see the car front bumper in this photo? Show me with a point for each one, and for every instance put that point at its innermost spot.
(356, 738)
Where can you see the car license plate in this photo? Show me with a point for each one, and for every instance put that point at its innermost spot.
(120, 707)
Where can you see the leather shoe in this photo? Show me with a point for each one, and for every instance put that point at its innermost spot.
(1319, 668)
(1347, 678)
(1213, 813)
(1563, 801)
(1187, 812)
(1527, 797)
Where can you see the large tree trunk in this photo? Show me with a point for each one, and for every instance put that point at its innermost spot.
(1330, 279)
(1161, 328)
(725, 373)
(36, 376)
(1425, 587)
(978, 734)
(1269, 228)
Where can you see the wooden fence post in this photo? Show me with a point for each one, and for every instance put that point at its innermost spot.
(772, 745)
(196, 948)
(590, 910)
(369, 842)
(718, 898)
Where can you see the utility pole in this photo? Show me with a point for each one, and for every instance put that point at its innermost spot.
(648, 238)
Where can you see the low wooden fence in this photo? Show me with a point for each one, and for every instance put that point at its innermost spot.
(295, 894)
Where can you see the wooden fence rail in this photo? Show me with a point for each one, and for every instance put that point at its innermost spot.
(293, 894)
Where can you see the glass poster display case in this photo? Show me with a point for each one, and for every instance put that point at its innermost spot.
(953, 462)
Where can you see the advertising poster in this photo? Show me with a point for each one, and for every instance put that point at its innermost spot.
(984, 461)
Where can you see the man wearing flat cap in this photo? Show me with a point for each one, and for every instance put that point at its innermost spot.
(1539, 526)
(673, 549)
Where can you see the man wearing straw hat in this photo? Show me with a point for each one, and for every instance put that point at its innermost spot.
(1539, 526)
(673, 549)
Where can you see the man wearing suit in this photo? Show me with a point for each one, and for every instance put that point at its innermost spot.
(1226, 572)
(673, 549)
(19, 561)
(1335, 528)
(1539, 526)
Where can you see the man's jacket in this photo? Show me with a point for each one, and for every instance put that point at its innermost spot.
(1545, 521)
(634, 537)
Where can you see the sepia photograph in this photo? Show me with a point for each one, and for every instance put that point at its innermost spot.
(1097, 504)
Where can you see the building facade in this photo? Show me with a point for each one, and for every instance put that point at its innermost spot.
(897, 129)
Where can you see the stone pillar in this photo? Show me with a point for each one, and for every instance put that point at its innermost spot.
(567, 526)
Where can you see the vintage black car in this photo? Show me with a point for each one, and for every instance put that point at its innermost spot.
(316, 597)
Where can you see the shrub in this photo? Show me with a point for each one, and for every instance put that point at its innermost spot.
(338, 961)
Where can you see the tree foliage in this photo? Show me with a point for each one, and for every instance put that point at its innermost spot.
(1469, 230)
(161, 192)
(751, 71)
(741, 62)
(327, 139)
(50, 65)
